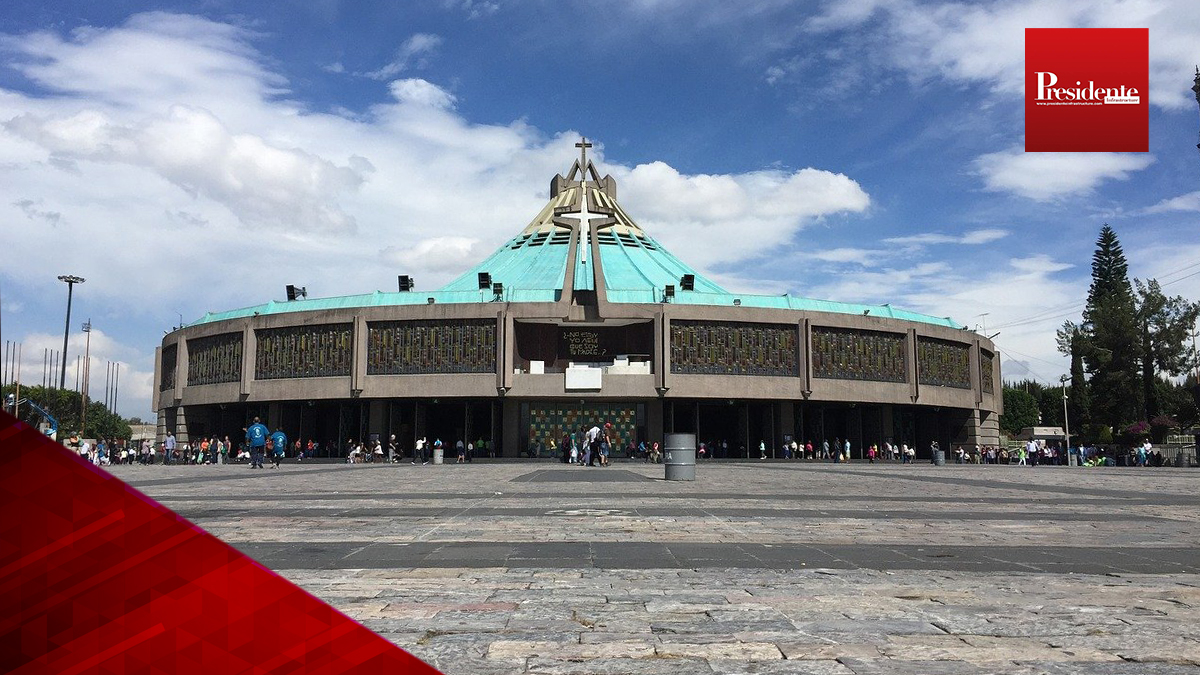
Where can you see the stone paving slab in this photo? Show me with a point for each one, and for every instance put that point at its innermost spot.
(755, 568)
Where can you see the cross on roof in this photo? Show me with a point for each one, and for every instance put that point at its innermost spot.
(583, 145)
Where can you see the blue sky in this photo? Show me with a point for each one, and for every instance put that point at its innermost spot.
(187, 157)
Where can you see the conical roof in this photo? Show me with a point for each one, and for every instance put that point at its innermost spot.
(582, 221)
(582, 247)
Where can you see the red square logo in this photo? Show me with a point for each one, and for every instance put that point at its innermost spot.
(1087, 90)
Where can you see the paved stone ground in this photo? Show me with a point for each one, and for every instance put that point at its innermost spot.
(754, 568)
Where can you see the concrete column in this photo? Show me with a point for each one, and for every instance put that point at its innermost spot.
(249, 349)
(512, 434)
(358, 367)
(510, 351)
(654, 421)
(887, 424)
(805, 347)
(785, 421)
(744, 449)
(914, 369)
(976, 427)
(181, 426)
(160, 432)
(377, 419)
(973, 366)
(181, 358)
(662, 338)
(502, 350)
(419, 429)
(156, 395)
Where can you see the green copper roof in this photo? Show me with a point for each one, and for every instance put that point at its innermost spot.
(532, 267)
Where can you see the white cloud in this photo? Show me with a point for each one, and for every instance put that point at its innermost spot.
(1009, 290)
(984, 42)
(860, 256)
(186, 181)
(134, 380)
(474, 8)
(413, 53)
(259, 182)
(1187, 202)
(1044, 176)
(419, 92)
(711, 219)
(973, 237)
(431, 257)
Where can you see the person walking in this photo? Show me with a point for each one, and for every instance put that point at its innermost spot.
(593, 445)
(279, 441)
(256, 436)
(419, 451)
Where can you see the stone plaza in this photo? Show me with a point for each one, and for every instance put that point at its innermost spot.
(764, 567)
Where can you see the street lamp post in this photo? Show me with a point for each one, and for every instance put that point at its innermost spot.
(87, 361)
(1066, 422)
(70, 280)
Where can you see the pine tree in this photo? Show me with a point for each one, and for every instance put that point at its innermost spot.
(1111, 341)
(1072, 342)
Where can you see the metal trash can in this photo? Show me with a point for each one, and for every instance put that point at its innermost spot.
(680, 456)
(939, 457)
(438, 455)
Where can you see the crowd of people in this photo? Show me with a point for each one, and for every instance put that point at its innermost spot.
(587, 446)
(596, 445)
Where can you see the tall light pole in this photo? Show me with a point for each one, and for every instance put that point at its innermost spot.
(70, 280)
(87, 361)
(1066, 422)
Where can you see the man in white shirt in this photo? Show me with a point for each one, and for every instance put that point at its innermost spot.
(593, 442)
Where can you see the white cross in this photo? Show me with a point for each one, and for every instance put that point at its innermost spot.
(585, 217)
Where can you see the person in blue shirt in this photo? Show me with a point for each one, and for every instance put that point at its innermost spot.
(256, 436)
(279, 440)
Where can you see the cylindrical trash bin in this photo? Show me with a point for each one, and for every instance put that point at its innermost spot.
(438, 454)
(680, 456)
(939, 457)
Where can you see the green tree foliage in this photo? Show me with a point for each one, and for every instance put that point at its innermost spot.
(1165, 325)
(1179, 401)
(1020, 410)
(1050, 406)
(1108, 341)
(1071, 341)
(64, 405)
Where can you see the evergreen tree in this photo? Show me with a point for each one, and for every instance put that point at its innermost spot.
(1072, 341)
(1165, 325)
(1111, 340)
(1020, 410)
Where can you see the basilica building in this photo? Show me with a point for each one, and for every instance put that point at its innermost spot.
(581, 318)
